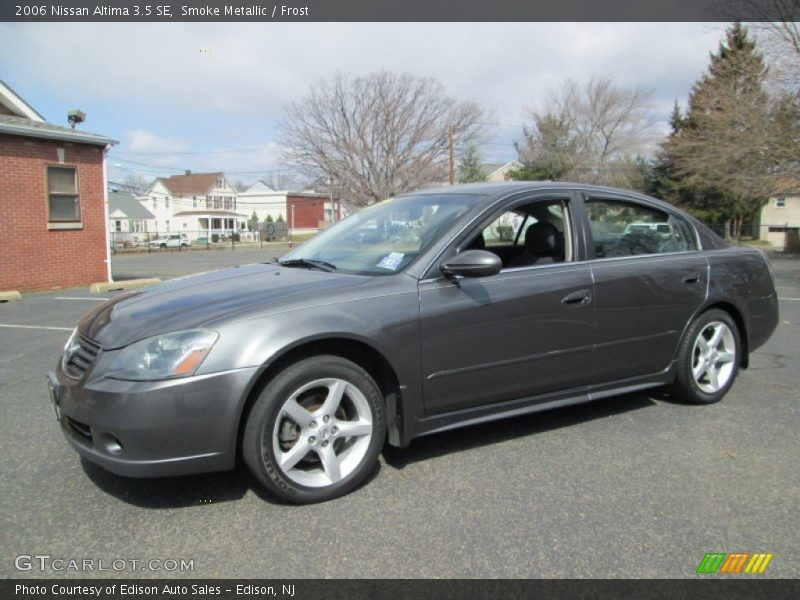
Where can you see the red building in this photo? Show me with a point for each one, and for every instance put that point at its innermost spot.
(52, 201)
(310, 210)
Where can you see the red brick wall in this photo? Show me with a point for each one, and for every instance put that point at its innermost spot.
(31, 256)
(307, 211)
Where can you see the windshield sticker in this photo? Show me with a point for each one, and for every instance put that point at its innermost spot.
(391, 261)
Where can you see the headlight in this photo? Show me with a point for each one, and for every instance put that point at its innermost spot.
(69, 348)
(167, 356)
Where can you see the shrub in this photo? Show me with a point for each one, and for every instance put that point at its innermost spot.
(214, 238)
(235, 237)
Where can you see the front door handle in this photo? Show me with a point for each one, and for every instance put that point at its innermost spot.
(691, 278)
(575, 299)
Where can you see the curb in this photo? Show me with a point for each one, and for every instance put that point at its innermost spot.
(113, 286)
(10, 296)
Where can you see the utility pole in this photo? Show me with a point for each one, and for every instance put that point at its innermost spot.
(452, 159)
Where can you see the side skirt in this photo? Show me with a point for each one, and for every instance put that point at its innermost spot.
(513, 408)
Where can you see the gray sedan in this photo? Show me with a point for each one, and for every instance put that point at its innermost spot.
(433, 310)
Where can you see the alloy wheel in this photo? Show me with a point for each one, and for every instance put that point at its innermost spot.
(713, 357)
(322, 432)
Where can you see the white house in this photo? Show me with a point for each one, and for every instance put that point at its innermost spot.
(261, 199)
(197, 204)
(779, 221)
(303, 211)
(499, 171)
(129, 219)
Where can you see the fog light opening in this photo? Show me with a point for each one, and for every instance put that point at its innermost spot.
(111, 444)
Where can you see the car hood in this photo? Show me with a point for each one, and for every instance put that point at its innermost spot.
(198, 300)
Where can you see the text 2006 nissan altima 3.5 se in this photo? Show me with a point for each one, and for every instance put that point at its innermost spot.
(426, 312)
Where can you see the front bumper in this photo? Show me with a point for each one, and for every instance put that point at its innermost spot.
(153, 429)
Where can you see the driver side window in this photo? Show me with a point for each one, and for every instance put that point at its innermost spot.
(531, 234)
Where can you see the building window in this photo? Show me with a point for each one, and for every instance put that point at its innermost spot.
(155, 202)
(194, 201)
(783, 229)
(780, 202)
(136, 226)
(227, 202)
(167, 224)
(217, 202)
(166, 201)
(118, 226)
(63, 202)
(220, 183)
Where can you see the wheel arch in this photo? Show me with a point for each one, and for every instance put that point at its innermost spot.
(361, 353)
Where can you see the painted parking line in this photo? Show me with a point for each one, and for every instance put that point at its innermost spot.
(10, 326)
(789, 299)
(80, 298)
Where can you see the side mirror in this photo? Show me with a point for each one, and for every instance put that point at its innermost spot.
(472, 263)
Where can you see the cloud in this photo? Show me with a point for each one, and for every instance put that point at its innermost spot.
(138, 140)
(173, 86)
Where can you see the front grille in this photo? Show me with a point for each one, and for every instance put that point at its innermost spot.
(82, 358)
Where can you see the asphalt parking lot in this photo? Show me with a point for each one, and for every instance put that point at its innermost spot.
(635, 486)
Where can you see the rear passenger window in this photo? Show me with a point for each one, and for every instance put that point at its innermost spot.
(626, 229)
(684, 238)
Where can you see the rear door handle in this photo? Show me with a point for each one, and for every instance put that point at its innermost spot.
(691, 278)
(576, 299)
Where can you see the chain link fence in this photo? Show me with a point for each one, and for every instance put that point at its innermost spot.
(185, 240)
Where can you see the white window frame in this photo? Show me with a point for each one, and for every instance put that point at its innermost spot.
(63, 223)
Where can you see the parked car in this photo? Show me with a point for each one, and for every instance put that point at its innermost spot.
(174, 240)
(305, 367)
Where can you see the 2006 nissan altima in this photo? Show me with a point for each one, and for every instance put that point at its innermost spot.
(429, 311)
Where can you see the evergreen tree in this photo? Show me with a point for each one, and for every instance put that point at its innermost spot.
(717, 160)
(252, 223)
(469, 167)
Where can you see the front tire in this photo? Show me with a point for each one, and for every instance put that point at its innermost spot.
(708, 358)
(316, 430)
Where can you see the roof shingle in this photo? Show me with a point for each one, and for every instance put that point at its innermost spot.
(14, 125)
(196, 184)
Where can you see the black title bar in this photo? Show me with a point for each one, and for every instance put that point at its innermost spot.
(396, 10)
(708, 588)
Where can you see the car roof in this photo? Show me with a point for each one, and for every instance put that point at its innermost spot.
(504, 188)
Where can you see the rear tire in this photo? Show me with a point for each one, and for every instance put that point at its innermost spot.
(316, 430)
(708, 359)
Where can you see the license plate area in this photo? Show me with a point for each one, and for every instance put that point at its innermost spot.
(54, 399)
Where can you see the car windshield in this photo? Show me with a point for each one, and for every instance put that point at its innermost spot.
(384, 238)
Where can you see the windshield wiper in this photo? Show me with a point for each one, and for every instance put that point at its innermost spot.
(309, 263)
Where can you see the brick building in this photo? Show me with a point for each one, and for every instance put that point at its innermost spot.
(52, 201)
(310, 211)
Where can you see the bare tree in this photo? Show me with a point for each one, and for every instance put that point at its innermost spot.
(590, 132)
(281, 180)
(377, 135)
(136, 183)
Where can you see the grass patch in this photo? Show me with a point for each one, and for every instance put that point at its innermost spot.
(301, 237)
(756, 243)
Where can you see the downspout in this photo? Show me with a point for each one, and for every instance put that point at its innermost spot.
(105, 211)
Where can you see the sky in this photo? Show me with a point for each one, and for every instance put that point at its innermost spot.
(208, 97)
